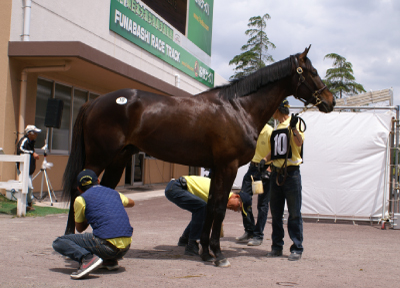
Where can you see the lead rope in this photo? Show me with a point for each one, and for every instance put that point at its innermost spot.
(283, 170)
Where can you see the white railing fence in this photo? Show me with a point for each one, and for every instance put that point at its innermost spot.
(21, 186)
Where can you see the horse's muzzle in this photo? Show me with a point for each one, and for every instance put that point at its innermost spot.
(326, 107)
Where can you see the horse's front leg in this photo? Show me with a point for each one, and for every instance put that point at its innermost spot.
(221, 184)
(219, 215)
(205, 234)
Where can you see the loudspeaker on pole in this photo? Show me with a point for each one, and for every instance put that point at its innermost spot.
(54, 113)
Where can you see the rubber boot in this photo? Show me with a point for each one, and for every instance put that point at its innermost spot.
(192, 248)
(183, 241)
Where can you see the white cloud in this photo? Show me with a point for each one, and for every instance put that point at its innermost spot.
(364, 32)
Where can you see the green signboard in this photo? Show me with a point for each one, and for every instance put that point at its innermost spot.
(200, 23)
(132, 20)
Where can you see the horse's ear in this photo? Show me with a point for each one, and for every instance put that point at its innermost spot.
(304, 54)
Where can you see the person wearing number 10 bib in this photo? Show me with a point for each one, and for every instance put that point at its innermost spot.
(288, 189)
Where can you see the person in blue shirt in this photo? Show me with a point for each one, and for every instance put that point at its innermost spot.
(103, 209)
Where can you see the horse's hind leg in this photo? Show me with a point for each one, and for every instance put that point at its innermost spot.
(113, 172)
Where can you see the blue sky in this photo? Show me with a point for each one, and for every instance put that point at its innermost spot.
(365, 32)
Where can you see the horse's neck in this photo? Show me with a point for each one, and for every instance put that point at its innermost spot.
(261, 105)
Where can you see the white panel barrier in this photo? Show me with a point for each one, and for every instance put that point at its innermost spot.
(345, 170)
(345, 174)
(23, 179)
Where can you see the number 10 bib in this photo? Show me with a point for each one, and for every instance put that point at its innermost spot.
(279, 144)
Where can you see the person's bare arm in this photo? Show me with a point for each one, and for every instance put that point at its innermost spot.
(131, 203)
(297, 137)
(80, 227)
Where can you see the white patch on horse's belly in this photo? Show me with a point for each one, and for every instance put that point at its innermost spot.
(121, 100)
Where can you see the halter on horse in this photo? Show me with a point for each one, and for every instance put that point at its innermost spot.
(215, 129)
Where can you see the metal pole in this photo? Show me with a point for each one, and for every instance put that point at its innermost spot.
(396, 173)
(41, 187)
(391, 166)
(48, 186)
(353, 107)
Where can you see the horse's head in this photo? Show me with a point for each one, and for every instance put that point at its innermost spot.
(309, 87)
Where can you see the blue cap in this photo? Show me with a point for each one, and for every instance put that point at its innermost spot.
(285, 103)
(86, 179)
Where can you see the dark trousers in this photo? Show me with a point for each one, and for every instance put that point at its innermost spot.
(77, 246)
(186, 200)
(290, 192)
(257, 230)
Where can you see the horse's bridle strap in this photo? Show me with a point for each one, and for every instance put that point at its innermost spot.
(302, 80)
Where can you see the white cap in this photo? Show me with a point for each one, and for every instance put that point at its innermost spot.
(33, 128)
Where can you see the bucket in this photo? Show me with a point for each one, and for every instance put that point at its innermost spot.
(257, 186)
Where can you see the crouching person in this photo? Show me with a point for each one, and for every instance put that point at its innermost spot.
(103, 209)
(191, 193)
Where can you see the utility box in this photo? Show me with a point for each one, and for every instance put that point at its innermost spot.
(396, 221)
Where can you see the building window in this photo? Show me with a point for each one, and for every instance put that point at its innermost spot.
(44, 92)
(58, 139)
(80, 97)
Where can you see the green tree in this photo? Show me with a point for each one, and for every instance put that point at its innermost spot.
(255, 51)
(340, 79)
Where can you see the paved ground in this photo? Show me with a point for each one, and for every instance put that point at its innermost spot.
(336, 254)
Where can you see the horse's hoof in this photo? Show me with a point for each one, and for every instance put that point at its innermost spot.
(207, 258)
(223, 263)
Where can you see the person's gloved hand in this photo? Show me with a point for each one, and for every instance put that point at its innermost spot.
(261, 165)
(293, 121)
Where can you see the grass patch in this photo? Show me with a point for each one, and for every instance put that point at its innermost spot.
(10, 208)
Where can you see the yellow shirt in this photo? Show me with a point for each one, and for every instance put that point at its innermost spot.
(263, 144)
(296, 159)
(79, 209)
(199, 186)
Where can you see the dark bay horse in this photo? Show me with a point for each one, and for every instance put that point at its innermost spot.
(216, 129)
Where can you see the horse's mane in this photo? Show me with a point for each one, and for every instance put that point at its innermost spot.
(249, 84)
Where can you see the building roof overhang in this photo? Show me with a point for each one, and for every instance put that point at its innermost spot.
(89, 65)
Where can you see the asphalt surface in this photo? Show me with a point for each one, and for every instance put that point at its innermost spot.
(335, 255)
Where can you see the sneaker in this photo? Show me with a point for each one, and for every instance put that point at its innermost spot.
(254, 242)
(183, 241)
(87, 266)
(274, 253)
(110, 265)
(294, 256)
(192, 248)
(244, 238)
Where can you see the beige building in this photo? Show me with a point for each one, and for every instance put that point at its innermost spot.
(67, 50)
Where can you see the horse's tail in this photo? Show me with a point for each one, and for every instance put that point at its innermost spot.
(76, 160)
